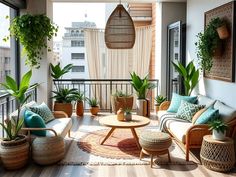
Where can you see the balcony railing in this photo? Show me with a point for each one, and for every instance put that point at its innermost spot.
(102, 89)
(8, 105)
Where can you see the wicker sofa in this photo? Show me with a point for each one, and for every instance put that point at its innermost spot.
(190, 135)
(60, 126)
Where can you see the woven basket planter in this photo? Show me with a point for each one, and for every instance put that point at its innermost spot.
(121, 102)
(48, 150)
(65, 107)
(120, 31)
(14, 154)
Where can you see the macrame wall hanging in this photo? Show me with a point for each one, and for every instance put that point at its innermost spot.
(120, 31)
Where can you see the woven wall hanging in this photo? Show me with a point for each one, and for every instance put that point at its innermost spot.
(120, 31)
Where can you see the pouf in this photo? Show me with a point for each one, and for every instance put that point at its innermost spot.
(48, 150)
(154, 143)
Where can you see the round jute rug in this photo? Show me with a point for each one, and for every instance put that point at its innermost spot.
(121, 145)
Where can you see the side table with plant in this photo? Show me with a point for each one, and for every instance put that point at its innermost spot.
(94, 105)
(79, 96)
(218, 128)
(14, 149)
(159, 99)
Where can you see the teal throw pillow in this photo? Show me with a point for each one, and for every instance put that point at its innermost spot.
(208, 116)
(33, 120)
(187, 110)
(44, 111)
(176, 100)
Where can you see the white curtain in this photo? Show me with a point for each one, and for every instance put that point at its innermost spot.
(142, 50)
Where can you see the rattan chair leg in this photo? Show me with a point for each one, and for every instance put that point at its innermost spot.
(141, 155)
(151, 160)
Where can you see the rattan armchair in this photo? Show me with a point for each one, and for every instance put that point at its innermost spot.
(195, 133)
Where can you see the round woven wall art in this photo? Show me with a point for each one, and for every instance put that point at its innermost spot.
(120, 31)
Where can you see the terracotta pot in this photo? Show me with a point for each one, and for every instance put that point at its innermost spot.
(80, 108)
(66, 107)
(121, 102)
(14, 154)
(94, 110)
(157, 107)
(223, 32)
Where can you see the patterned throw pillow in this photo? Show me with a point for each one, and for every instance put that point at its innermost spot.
(176, 100)
(208, 115)
(187, 110)
(33, 120)
(44, 111)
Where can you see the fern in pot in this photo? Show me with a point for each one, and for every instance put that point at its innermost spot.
(14, 149)
(94, 105)
(159, 100)
(218, 128)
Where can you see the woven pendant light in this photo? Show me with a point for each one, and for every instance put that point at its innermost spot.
(120, 31)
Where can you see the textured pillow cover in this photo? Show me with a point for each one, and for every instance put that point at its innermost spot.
(33, 120)
(176, 100)
(44, 111)
(187, 110)
(207, 116)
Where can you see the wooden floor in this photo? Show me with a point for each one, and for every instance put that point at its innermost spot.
(33, 170)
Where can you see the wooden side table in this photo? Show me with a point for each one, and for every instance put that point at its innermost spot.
(217, 155)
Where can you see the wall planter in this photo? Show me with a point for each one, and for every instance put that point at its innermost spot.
(223, 32)
(14, 153)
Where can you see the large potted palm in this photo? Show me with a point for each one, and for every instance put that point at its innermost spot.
(14, 149)
(64, 97)
(141, 87)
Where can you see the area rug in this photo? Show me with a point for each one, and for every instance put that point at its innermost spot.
(119, 149)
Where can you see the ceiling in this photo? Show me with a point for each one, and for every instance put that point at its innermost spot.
(116, 1)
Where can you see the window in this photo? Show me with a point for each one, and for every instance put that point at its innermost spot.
(77, 69)
(176, 56)
(77, 56)
(77, 43)
(8, 54)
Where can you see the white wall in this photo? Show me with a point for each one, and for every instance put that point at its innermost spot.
(220, 90)
(41, 75)
(166, 13)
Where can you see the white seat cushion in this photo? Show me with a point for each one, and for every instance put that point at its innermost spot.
(179, 129)
(163, 112)
(61, 126)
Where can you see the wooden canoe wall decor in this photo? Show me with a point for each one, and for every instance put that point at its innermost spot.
(120, 31)
(224, 66)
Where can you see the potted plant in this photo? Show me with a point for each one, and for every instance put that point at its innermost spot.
(159, 99)
(218, 128)
(121, 100)
(128, 114)
(79, 96)
(14, 149)
(94, 105)
(32, 31)
(141, 87)
(57, 71)
(209, 44)
(189, 74)
(221, 28)
(64, 97)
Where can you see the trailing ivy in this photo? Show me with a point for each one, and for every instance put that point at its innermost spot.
(207, 44)
(31, 31)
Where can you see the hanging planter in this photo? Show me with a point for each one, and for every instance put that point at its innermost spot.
(223, 32)
(120, 31)
(32, 31)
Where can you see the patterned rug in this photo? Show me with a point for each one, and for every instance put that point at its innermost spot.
(119, 149)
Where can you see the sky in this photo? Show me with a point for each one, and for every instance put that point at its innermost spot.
(65, 13)
(4, 24)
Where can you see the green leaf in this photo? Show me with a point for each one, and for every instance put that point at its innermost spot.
(11, 84)
(25, 81)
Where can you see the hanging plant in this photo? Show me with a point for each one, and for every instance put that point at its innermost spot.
(31, 31)
(209, 43)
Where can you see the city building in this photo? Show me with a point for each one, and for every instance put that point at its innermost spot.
(5, 63)
(57, 51)
(73, 50)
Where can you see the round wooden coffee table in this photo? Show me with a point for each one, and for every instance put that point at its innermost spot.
(111, 121)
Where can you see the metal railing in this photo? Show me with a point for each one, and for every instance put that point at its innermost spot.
(8, 105)
(102, 89)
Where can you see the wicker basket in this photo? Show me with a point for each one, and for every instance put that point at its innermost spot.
(217, 155)
(48, 150)
(120, 31)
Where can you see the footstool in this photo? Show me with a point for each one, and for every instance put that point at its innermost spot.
(48, 150)
(154, 143)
